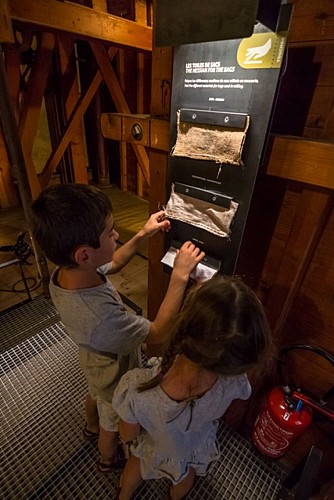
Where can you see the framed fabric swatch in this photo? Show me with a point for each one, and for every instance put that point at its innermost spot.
(221, 143)
(199, 213)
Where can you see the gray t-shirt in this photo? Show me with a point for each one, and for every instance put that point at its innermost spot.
(175, 435)
(107, 333)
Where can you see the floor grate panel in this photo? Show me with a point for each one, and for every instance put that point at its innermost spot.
(25, 320)
(42, 452)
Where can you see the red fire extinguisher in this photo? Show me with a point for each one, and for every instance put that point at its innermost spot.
(279, 424)
(287, 413)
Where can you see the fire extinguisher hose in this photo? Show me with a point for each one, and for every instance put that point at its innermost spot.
(318, 406)
(314, 404)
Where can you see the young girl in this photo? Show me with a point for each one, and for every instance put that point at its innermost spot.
(169, 413)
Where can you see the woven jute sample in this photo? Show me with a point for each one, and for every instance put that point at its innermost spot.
(213, 218)
(210, 142)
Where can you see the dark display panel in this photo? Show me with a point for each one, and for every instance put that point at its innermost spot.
(217, 86)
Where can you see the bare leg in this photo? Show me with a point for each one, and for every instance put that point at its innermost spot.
(108, 442)
(178, 491)
(92, 416)
(130, 479)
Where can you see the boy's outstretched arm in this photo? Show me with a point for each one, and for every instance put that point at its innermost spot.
(185, 262)
(157, 222)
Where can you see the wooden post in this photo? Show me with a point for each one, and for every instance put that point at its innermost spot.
(140, 109)
(67, 63)
(162, 60)
(31, 109)
(122, 146)
(8, 196)
(101, 160)
(6, 31)
(141, 18)
(100, 5)
(16, 157)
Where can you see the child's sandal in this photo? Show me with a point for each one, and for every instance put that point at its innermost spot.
(89, 435)
(117, 465)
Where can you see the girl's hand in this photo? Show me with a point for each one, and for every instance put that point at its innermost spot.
(187, 259)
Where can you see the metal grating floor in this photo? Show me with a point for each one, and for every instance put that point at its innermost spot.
(42, 452)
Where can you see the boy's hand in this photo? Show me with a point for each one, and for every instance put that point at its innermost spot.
(123, 255)
(187, 259)
(157, 222)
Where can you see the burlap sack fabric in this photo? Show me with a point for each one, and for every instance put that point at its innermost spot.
(209, 142)
(213, 218)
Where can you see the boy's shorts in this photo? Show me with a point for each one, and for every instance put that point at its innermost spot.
(102, 374)
(107, 416)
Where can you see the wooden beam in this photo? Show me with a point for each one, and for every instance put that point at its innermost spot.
(140, 108)
(72, 125)
(34, 96)
(312, 21)
(141, 12)
(162, 70)
(123, 150)
(6, 31)
(157, 279)
(159, 134)
(100, 5)
(110, 77)
(13, 77)
(8, 196)
(120, 102)
(67, 61)
(70, 129)
(162, 64)
(117, 126)
(302, 160)
(82, 21)
(32, 106)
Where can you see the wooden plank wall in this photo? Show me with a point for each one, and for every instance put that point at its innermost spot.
(287, 253)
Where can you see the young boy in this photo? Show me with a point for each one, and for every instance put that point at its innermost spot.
(74, 226)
